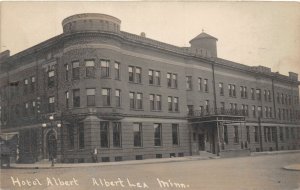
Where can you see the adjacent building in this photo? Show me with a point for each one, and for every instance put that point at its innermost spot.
(131, 97)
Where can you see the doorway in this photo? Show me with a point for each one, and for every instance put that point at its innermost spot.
(51, 145)
(201, 141)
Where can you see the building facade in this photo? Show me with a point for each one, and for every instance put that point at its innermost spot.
(131, 97)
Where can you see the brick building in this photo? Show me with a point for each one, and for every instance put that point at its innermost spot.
(132, 97)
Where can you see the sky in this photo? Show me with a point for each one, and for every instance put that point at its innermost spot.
(251, 33)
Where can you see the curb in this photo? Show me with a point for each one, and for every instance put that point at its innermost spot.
(274, 152)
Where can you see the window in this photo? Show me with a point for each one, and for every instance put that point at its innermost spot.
(222, 107)
(248, 133)
(66, 72)
(259, 111)
(157, 134)
(117, 134)
(190, 109)
(76, 98)
(157, 77)
(170, 104)
(90, 68)
(207, 106)
(256, 133)
(138, 75)
(104, 68)
(258, 94)
(151, 99)
(104, 134)
(131, 97)
(200, 84)
(225, 134)
(32, 84)
(51, 79)
(281, 134)
(117, 71)
(243, 91)
(25, 86)
(75, 70)
(118, 97)
(231, 89)
(236, 134)
(106, 96)
(33, 107)
(158, 102)
(221, 87)
(81, 136)
(278, 98)
(51, 104)
(269, 95)
(176, 102)
(151, 77)
(175, 132)
(206, 85)
(189, 83)
(174, 77)
(270, 112)
(67, 99)
(265, 95)
(252, 93)
(70, 137)
(130, 73)
(90, 96)
(26, 106)
(171, 80)
(137, 134)
(139, 100)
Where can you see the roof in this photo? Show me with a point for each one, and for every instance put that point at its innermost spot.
(203, 35)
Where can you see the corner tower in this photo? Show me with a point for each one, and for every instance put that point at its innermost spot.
(205, 45)
(91, 22)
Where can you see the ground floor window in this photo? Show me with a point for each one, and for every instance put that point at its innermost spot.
(236, 134)
(175, 133)
(225, 134)
(157, 134)
(104, 134)
(137, 134)
(70, 137)
(81, 136)
(117, 134)
(256, 133)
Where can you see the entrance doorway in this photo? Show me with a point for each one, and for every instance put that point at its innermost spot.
(51, 145)
(201, 141)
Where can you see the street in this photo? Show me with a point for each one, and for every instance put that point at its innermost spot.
(256, 172)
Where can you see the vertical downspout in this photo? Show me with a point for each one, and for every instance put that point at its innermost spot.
(214, 88)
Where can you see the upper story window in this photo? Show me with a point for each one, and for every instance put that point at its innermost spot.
(171, 80)
(269, 95)
(118, 98)
(252, 93)
(282, 98)
(231, 89)
(278, 98)
(51, 104)
(206, 85)
(135, 74)
(189, 82)
(151, 76)
(66, 72)
(67, 97)
(265, 95)
(104, 68)
(207, 106)
(157, 77)
(131, 100)
(199, 84)
(25, 86)
(258, 94)
(173, 104)
(151, 100)
(155, 102)
(253, 111)
(76, 98)
(106, 96)
(190, 109)
(170, 104)
(90, 68)
(221, 88)
(90, 96)
(75, 70)
(117, 71)
(139, 101)
(51, 75)
(243, 91)
(259, 111)
(32, 84)
(138, 75)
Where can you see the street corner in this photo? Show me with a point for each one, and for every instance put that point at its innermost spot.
(292, 167)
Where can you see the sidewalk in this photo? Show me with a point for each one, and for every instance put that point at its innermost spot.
(293, 167)
(47, 165)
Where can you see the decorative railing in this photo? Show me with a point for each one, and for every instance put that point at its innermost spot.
(219, 111)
